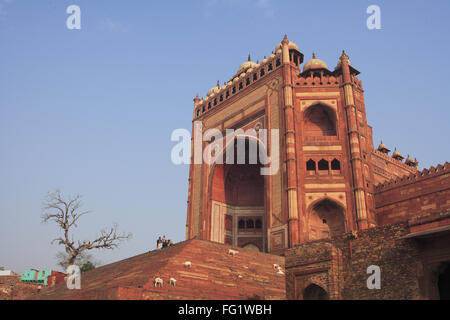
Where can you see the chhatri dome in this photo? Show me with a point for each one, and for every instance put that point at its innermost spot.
(397, 155)
(314, 63)
(291, 46)
(382, 148)
(246, 65)
(409, 161)
(213, 90)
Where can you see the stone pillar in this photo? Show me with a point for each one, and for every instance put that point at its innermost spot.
(355, 148)
(291, 162)
(189, 227)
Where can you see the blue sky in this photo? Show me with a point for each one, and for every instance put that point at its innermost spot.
(92, 110)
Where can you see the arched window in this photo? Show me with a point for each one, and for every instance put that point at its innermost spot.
(258, 224)
(311, 165)
(335, 165)
(198, 112)
(320, 120)
(255, 76)
(250, 224)
(323, 165)
(262, 72)
(241, 224)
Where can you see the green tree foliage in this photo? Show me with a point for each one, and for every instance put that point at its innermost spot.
(87, 266)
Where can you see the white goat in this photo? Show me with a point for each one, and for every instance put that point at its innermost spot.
(187, 264)
(173, 282)
(232, 252)
(158, 282)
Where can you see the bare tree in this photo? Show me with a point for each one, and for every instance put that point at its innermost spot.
(66, 213)
(80, 260)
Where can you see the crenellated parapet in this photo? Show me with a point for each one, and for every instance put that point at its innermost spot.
(414, 177)
(316, 74)
(318, 79)
(324, 79)
(248, 74)
(394, 161)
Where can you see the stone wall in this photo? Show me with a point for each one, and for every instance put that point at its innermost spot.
(315, 263)
(387, 168)
(415, 195)
(20, 290)
(398, 259)
(339, 265)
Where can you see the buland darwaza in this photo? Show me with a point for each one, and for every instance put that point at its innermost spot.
(329, 168)
(335, 212)
(333, 186)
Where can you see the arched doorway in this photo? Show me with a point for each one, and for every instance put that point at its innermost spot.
(315, 292)
(326, 220)
(444, 282)
(238, 199)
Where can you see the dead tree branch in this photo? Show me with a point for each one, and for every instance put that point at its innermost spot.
(66, 212)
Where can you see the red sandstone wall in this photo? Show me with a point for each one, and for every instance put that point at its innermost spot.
(214, 274)
(21, 289)
(339, 265)
(387, 168)
(218, 184)
(404, 198)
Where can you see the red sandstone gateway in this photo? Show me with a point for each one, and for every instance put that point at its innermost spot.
(336, 200)
(337, 209)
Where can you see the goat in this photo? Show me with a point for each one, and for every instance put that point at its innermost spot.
(158, 282)
(232, 252)
(187, 264)
(173, 282)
